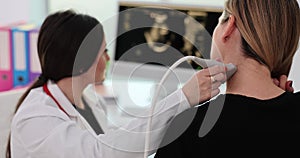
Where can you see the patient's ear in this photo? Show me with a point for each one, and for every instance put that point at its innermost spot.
(229, 28)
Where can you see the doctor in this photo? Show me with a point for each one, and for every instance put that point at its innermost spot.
(72, 53)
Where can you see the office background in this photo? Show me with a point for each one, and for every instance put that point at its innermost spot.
(105, 11)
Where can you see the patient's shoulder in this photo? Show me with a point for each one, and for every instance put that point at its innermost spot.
(297, 94)
(293, 98)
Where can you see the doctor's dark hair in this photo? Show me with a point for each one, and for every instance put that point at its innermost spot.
(68, 45)
(270, 31)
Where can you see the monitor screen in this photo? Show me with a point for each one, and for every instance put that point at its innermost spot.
(152, 37)
(160, 35)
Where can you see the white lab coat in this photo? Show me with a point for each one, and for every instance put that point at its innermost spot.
(41, 130)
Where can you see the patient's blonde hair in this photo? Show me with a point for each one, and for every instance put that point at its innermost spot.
(270, 31)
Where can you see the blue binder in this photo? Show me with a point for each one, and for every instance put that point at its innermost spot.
(20, 54)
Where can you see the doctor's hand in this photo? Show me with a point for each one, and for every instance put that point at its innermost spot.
(204, 84)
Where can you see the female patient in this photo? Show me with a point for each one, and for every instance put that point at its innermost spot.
(257, 118)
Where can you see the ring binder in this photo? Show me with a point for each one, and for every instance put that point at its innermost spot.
(21, 51)
(6, 76)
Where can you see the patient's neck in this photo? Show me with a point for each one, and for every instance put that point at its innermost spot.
(253, 80)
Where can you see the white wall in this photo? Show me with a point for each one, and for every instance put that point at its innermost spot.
(295, 71)
(104, 11)
(27, 10)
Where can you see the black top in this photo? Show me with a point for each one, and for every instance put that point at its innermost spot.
(246, 127)
(87, 113)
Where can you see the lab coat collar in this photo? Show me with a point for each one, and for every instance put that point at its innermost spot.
(68, 107)
(62, 99)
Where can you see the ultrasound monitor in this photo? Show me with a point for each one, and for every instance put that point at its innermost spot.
(151, 37)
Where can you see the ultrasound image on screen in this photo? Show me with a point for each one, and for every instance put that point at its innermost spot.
(162, 36)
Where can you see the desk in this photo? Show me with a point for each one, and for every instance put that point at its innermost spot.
(8, 102)
(120, 101)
